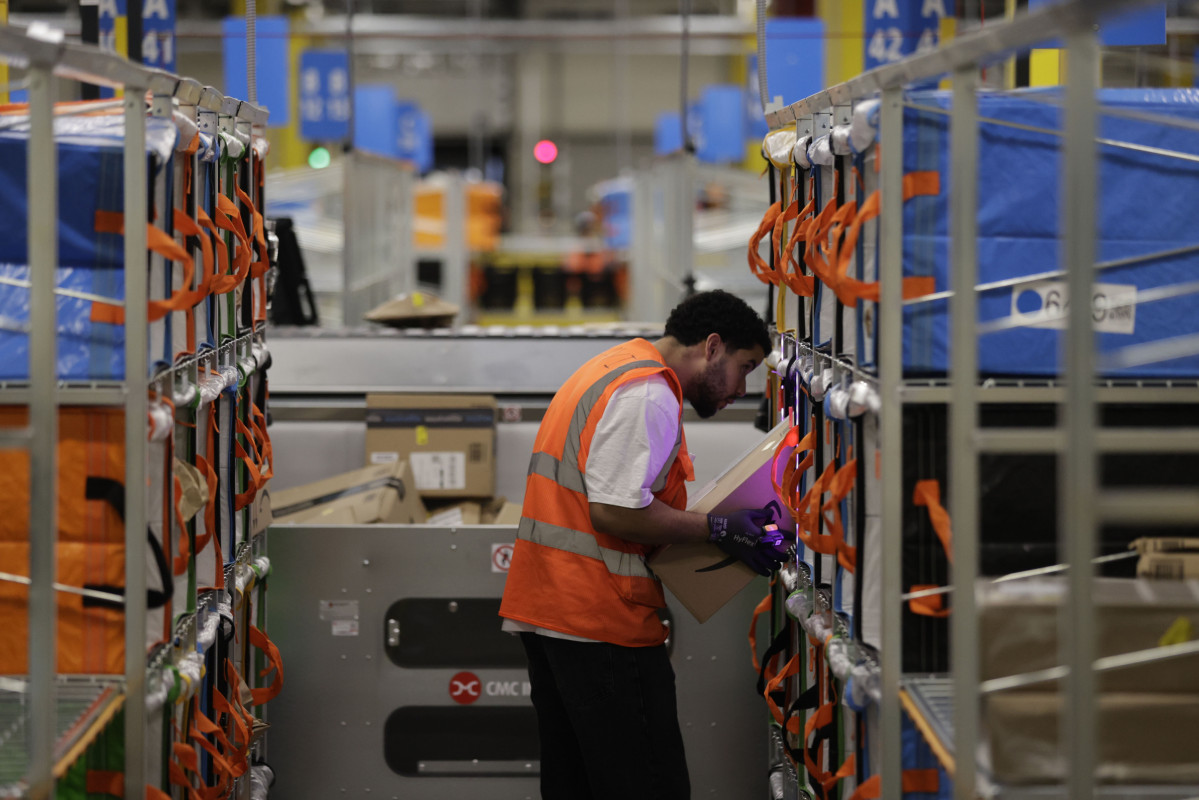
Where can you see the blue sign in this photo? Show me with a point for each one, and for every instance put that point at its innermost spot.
(668, 133)
(414, 135)
(720, 138)
(109, 11)
(1140, 27)
(375, 119)
(794, 58)
(272, 61)
(324, 95)
(897, 28)
(158, 34)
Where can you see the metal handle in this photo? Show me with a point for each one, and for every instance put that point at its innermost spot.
(393, 633)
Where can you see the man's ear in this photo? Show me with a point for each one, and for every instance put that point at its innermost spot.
(711, 345)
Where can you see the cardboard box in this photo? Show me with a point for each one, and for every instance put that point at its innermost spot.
(467, 513)
(381, 493)
(1018, 630)
(1151, 545)
(745, 484)
(1141, 738)
(1169, 566)
(447, 439)
(496, 511)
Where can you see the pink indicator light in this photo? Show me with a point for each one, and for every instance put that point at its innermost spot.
(545, 151)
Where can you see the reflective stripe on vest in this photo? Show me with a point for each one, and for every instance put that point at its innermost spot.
(566, 473)
(578, 421)
(580, 543)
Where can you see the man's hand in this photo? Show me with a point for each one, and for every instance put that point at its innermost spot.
(741, 535)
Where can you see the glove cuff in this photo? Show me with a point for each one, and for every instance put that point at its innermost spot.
(718, 527)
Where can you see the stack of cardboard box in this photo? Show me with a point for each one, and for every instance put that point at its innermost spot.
(1167, 558)
(424, 452)
(1147, 715)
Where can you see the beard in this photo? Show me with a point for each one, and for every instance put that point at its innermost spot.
(709, 392)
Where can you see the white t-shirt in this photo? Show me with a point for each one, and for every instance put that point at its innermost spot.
(629, 457)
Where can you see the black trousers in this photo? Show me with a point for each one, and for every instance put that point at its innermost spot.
(608, 721)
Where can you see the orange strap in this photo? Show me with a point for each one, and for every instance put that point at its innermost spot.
(274, 664)
(847, 289)
(914, 780)
(790, 272)
(791, 668)
(760, 609)
(931, 606)
(154, 793)
(757, 265)
(103, 782)
(157, 241)
(237, 715)
(928, 493)
(836, 482)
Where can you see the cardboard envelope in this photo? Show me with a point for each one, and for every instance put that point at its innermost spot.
(701, 575)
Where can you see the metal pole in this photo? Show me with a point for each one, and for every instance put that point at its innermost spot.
(1077, 520)
(43, 423)
(963, 419)
(136, 334)
(890, 360)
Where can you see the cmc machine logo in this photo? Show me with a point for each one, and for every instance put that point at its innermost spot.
(465, 688)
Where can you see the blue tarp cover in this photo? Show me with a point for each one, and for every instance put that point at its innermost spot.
(1147, 204)
(90, 179)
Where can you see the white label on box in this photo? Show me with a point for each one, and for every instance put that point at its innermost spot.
(339, 609)
(1045, 304)
(345, 627)
(445, 470)
(451, 516)
(383, 457)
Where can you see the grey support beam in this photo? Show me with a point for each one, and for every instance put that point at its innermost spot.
(890, 359)
(136, 372)
(1078, 473)
(42, 160)
(963, 422)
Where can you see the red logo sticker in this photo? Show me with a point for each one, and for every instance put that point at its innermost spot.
(465, 687)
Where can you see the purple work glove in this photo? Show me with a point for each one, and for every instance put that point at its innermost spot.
(741, 534)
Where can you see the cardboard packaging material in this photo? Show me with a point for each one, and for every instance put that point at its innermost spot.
(467, 513)
(496, 511)
(448, 440)
(745, 484)
(1018, 630)
(1151, 545)
(415, 310)
(381, 493)
(1167, 558)
(1141, 738)
(1169, 566)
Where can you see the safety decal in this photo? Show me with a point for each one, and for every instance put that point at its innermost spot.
(501, 557)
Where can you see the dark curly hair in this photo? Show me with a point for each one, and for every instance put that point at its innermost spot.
(717, 311)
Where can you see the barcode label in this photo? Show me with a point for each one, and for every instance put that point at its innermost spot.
(1166, 570)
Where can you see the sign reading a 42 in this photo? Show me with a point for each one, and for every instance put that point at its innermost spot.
(898, 28)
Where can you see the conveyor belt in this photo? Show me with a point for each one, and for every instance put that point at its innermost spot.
(929, 700)
(84, 704)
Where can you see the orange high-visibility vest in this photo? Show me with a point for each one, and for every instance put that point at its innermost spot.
(565, 575)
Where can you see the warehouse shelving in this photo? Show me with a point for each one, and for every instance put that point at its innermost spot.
(1078, 439)
(48, 718)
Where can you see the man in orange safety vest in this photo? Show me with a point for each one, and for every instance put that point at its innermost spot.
(606, 486)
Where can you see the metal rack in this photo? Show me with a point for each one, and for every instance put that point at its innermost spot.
(47, 698)
(1077, 438)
